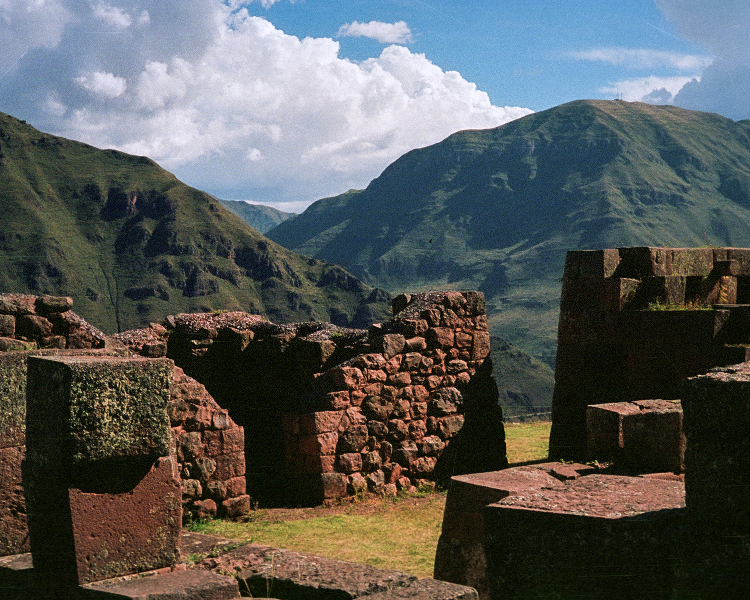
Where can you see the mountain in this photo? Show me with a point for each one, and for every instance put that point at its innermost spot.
(497, 209)
(259, 217)
(525, 383)
(132, 244)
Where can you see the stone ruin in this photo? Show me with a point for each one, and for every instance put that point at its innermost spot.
(636, 322)
(340, 412)
(105, 452)
(642, 392)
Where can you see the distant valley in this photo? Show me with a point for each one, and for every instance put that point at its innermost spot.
(259, 217)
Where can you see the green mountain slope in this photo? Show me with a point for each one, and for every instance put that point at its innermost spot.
(259, 217)
(496, 210)
(131, 244)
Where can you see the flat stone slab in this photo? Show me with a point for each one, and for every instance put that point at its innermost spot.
(599, 536)
(15, 575)
(263, 571)
(604, 496)
(192, 584)
(428, 589)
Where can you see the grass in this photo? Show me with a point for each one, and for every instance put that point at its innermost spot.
(388, 533)
(527, 441)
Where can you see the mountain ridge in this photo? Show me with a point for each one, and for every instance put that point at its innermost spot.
(258, 216)
(497, 209)
(132, 244)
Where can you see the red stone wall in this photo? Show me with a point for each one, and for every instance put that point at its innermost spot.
(329, 412)
(210, 450)
(635, 322)
(386, 418)
(30, 322)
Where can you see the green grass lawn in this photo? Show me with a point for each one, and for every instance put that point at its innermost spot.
(389, 533)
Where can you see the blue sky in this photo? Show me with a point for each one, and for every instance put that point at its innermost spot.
(283, 102)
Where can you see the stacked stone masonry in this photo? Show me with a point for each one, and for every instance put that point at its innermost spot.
(330, 412)
(385, 418)
(561, 530)
(210, 449)
(31, 322)
(636, 322)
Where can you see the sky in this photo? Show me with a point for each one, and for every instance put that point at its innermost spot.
(283, 102)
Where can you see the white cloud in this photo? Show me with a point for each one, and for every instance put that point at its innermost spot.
(722, 27)
(112, 16)
(385, 33)
(102, 84)
(236, 107)
(28, 25)
(654, 90)
(639, 58)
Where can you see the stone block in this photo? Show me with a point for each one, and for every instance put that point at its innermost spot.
(716, 410)
(322, 444)
(599, 536)
(138, 530)
(236, 507)
(439, 337)
(320, 422)
(617, 292)
(598, 264)
(271, 572)
(12, 399)
(460, 556)
(691, 262)
(604, 439)
(229, 466)
(86, 409)
(102, 493)
(16, 576)
(741, 256)
(53, 304)
(333, 485)
(428, 589)
(17, 304)
(178, 585)
(653, 439)
(14, 534)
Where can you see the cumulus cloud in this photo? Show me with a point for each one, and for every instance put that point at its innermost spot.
(112, 16)
(27, 25)
(654, 90)
(385, 33)
(722, 27)
(235, 106)
(643, 58)
(106, 85)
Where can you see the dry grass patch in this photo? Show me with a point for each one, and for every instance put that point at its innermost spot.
(389, 533)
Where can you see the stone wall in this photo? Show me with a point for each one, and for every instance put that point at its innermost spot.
(572, 531)
(334, 411)
(210, 450)
(635, 322)
(29, 322)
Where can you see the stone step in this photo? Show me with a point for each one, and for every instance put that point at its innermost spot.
(190, 584)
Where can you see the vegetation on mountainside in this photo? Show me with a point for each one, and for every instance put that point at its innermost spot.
(132, 244)
(525, 383)
(259, 217)
(497, 209)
